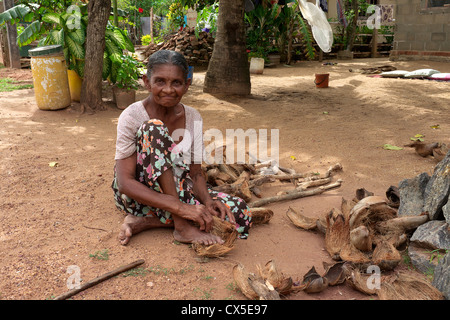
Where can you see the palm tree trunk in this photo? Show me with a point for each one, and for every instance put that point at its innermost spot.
(228, 70)
(91, 91)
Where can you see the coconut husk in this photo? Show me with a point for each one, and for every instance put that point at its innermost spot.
(386, 256)
(360, 237)
(393, 197)
(224, 230)
(362, 193)
(313, 282)
(275, 277)
(264, 290)
(405, 286)
(261, 215)
(347, 206)
(351, 254)
(369, 211)
(401, 224)
(300, 220)
(337, 235)
(334, 273)
(240, 276)
(356, 280)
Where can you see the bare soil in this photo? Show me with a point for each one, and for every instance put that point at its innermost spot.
(55, 217)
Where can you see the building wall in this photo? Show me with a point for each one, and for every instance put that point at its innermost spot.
(421, 32)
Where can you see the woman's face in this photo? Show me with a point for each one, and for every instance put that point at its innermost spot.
(167, 85)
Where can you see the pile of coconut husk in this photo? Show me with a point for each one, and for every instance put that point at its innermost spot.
(244, 180)
(270, 283)
(365, 230)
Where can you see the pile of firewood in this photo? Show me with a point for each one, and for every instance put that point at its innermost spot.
(196, 50)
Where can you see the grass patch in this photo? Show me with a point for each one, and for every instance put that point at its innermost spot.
(8, 84)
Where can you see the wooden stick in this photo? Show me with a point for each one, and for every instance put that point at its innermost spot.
(294, 195)
(99, 279)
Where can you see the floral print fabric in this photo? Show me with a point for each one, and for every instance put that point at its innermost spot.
(156, 153)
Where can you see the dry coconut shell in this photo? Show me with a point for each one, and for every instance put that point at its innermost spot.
(275, 277)
(240, 276)
(406, 286)
(386, 256)
(313, 282)
(300, 220)
(226, 231)
(337, 235)
(361, 239)
(334, 273)
(261, 215)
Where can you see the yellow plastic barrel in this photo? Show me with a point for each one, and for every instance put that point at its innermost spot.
(51, 85)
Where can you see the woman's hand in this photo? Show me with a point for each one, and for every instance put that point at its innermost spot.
(196, 213)
(219, 209)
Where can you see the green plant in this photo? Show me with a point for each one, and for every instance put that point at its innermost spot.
(207, 18)
(7, 84)
(100, 255)
(68, 28)
(146, 39)
(128, 73)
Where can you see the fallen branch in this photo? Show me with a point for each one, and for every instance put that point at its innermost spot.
(97, 280)
(295, 195)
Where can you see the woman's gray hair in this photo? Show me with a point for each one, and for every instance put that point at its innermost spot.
(162, 57)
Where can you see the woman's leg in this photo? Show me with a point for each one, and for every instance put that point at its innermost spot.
(155, 168)
(242, 213)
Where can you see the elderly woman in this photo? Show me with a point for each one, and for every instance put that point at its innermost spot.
(158, 179)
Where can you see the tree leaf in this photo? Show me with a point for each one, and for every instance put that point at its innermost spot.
(14, 14)
(29, 34)
(75, 49)
(391, 147)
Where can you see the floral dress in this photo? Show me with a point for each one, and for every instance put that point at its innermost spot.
(156, 153)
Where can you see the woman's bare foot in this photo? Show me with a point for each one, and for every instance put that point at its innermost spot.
(133, 225)
(191, 234)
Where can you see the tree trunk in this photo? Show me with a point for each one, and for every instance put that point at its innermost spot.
(351, 29)
(91, 91)
(228, 70)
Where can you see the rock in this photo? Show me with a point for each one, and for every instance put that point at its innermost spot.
(412, 195)
(438, 189)
(421, 258)
(441, 279)
(446, 212)
(428, 243)
(432, 235)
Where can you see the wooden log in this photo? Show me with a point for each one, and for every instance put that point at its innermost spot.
(99, 279)
(295, 195)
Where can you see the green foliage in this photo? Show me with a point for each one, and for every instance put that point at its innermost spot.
(207, 17)
(68, 28)
(127, 73)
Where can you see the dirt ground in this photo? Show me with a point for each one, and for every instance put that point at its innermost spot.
(55, 217)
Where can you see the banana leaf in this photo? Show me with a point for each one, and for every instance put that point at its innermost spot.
(14, 14)
(31, 33)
